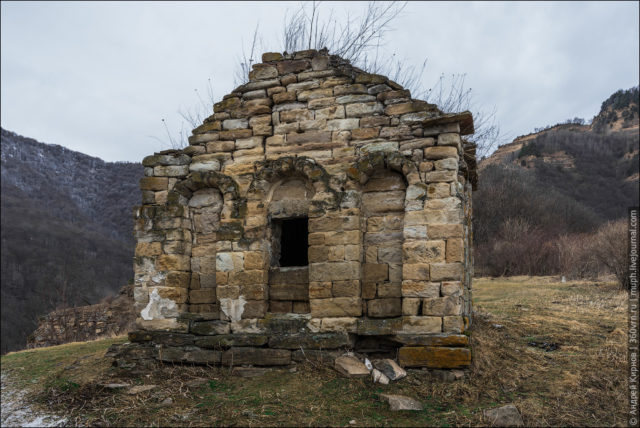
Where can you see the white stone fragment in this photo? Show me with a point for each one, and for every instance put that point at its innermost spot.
(159, 308)
(233, 308)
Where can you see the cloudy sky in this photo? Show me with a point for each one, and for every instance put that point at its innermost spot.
(99, 77)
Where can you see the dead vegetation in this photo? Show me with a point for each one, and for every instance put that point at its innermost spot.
(580, 383)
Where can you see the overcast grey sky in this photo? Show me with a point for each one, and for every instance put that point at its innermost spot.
(99, 77)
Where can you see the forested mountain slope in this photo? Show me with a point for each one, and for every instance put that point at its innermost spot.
(66, 236)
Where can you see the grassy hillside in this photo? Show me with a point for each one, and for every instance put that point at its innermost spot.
(518, 323)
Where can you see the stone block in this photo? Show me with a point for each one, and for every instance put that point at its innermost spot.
(411, 306)
(154, 183)
(296, 115)
(455, 250)
(375, 272)
(320, 290)
(173, 262)
(209, 328)
(256, 356)
(446, 271)
(334, 271)
(449, 139)
(292, 66)
(390, 255)
(434, 357)
(451, 288)
(423, 251)
(289, 291)
(281, 306)
(347, 324)
(445, 231)
(311, 340)
(206, 295)
(336, 307)
(378, 327)
(438, 152)
(384, 308)
(421, 325)
(189, 354)
(415, 271)
(349, 288)
(330, 113)
(301, 307)
(289, 275)
(390, 289)
(381, 202)
(254, 309)
(229, 340)
(442, 306)
(363, 109)
(253, 292)
(443, 339)
(414, 288)
(453, 324)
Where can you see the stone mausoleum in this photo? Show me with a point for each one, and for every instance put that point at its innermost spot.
(319, 208)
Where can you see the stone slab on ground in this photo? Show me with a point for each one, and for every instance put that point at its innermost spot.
(351, 366)
(505, 416)
(401, 402)
(140, 388)
(390, 368)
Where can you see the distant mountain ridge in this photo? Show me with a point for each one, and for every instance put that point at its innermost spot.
(67, 224)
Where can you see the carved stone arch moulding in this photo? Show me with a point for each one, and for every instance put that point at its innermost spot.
(234, 205)
(272, 171)
(362, 169)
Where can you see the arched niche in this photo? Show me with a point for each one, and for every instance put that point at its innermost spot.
(383, 202)
(205, 208)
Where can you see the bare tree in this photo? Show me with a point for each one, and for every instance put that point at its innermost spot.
(611, 249)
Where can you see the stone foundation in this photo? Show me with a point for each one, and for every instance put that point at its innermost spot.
(318, 208)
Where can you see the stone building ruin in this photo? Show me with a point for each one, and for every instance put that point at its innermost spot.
(319, 208)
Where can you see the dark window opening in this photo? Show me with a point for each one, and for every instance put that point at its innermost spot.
(294, 242)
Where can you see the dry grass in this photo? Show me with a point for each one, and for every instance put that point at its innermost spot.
(581, 383)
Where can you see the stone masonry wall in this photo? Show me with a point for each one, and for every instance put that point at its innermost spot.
(385, 182)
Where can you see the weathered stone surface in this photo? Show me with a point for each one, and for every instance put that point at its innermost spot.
(334, 271)
(424, 251)
(256, 356)
(505, 416)
(439, 152)
(446, 271)
(421, 324)
(450, 340)
(384, 308)
(315, 355)
(379, 377)
(289, 291)
(311, 341)
(210, 328)
(442, 306)
(434, 357)
(336, 307)
(351, 367)
(420, 288)
(189, 354)
(401, 402)
(390, 368)
(286, 67)
(229, 340)
(378, 327)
